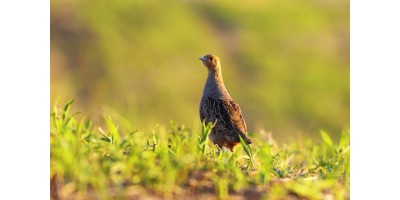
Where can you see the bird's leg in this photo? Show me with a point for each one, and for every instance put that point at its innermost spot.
(219, 149)
(231, 146)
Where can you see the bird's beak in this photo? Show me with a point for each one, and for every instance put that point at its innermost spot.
(202, 58)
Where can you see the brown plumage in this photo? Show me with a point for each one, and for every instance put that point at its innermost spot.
(217, 105)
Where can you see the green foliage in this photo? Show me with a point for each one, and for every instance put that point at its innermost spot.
(285, 63)
(115, 161)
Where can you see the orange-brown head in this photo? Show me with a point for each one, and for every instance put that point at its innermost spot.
(212, 62)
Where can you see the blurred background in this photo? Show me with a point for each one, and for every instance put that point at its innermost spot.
(285, 62)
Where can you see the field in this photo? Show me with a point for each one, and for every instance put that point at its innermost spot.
(115, 160)
(287, 64)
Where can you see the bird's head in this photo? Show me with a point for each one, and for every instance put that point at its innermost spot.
(212, 62)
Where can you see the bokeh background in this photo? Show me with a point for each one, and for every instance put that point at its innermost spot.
(285, 62)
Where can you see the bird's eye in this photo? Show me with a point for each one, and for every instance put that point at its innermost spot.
(210, 59)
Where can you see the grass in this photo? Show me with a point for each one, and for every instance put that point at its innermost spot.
(116, 161)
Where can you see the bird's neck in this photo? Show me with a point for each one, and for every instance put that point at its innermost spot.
(215, 86)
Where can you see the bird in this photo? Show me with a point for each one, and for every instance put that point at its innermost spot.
(217, 106)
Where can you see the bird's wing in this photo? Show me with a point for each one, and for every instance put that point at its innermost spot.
(228, 115)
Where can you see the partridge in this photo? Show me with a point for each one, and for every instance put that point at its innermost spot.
(218, 107)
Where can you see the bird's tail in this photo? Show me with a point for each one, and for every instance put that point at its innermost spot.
(246, 138)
